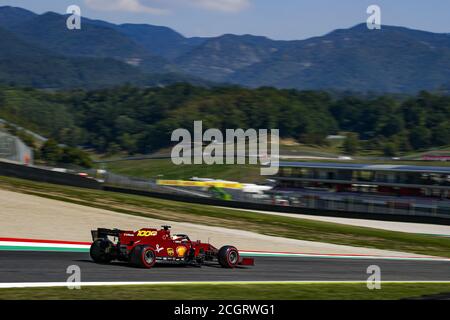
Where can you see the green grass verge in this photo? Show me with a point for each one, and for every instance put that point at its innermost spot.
(151, 168)
(272, 225)
(301, 291)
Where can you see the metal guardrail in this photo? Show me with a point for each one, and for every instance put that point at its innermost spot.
(298, 202)
(16, 170)
(305, 204)
(433, 209)
(261, 206)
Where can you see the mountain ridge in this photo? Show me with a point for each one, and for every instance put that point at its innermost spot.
(393, 59)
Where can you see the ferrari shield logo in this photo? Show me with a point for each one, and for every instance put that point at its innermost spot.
(170, 252)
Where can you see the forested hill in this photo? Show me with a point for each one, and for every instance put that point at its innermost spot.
(140, 120)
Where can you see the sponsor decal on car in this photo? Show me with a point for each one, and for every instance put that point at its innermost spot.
(170, 252)
(181, 250)
(147, 233)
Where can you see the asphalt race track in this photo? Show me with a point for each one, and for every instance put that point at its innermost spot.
(32, 266)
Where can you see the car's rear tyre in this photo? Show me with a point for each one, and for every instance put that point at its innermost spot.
(228, 257)
(100, 251)
(143, 257)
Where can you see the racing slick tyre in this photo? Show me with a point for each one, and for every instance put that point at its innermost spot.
(100, 251)
(228, 257)
(143, 257)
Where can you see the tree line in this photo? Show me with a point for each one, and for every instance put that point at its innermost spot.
(141, 120)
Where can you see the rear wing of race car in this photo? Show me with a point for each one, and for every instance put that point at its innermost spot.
(102, 233)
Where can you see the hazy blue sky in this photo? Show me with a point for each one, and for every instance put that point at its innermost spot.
(278, 19)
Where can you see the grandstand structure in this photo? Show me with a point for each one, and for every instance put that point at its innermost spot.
(13, 149)
(369, 179)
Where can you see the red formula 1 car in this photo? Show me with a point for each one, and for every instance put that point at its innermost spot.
(146, 247)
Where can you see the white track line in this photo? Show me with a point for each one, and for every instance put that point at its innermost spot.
(131, 283)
